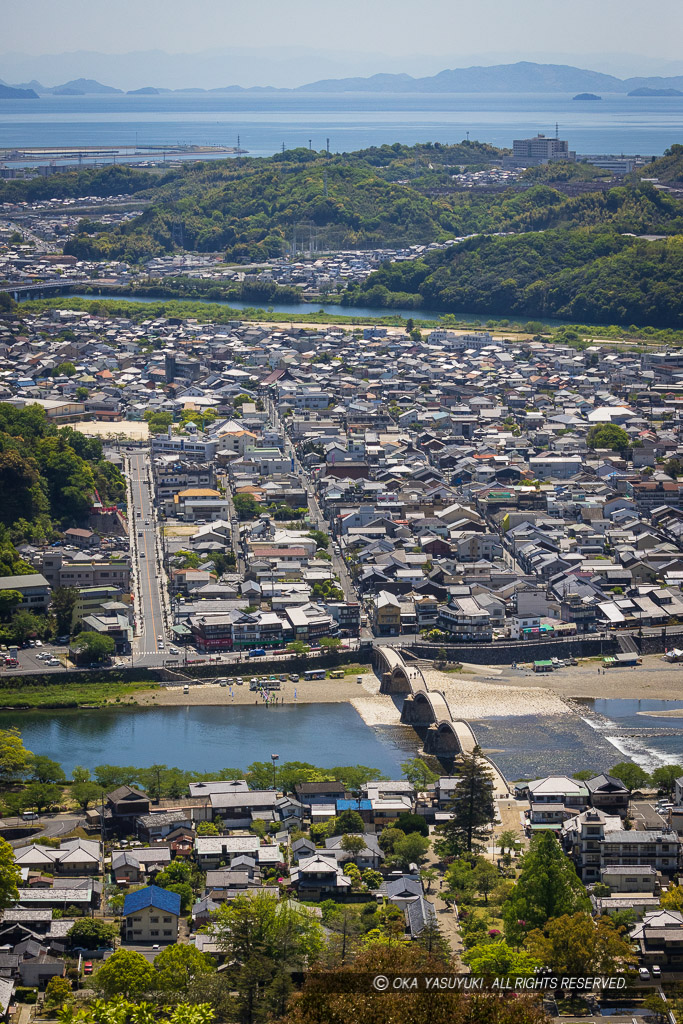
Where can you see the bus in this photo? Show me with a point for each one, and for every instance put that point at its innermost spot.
(315, 673)
(337, 673)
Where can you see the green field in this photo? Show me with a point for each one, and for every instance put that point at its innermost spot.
(70, 695)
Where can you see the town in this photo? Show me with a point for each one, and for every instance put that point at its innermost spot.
(293, 513)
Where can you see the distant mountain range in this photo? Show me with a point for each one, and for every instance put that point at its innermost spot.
(522, 77)
(77, 87)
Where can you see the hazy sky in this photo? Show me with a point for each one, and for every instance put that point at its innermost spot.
(438, 27)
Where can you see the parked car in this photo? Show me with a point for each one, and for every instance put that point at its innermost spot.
(656, 971)
(87, 967)
(643, 974)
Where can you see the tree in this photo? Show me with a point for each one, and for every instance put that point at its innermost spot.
(80, 774)
(44, 769)
(246, 506)
(353, 845)
(412, 823)
(27, 625)
(41, 795)
(607, 435)
(177, 966)
(264, 941)
(347, 821)
(298, 647)
(486, 878)
(410, 850)
(10, 876)
(373, 879)
(632, 775)
(473, 809)
(66, 369)
(9, 599)
(207, 828)
(664, 778)
(429, 875)
(14, 757)
(576, 944)
(85, 793)
(126, 973)
(508, 840)
(672, 899)
(547, 887)
(388, 838)
(58, 992)
(93, 647)
(63, 604)
(91, 933)
(419, 774)
(497, 958)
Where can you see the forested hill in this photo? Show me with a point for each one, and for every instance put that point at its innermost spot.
(594, 276)
(383, 197)
(48, 477)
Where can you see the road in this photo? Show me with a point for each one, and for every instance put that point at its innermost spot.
(151, 579)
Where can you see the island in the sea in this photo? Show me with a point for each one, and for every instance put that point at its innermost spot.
(646, 91)
(586, 96)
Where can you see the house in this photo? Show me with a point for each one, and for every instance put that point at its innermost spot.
(659, 939)
(151, 915)
(386, 614)
(156, 826)
(320, 877)
(124, 805)
(36, 971)
(608, 794)
(622, 878)
(211, 850)
(369, 857)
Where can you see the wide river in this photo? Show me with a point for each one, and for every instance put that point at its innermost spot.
(207, 739)
(308, 308)
(210, 738)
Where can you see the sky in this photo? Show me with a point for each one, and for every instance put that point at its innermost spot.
(361, 36)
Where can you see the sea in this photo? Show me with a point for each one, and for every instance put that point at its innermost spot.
(266, 121)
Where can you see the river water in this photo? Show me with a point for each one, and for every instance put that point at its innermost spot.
(361, 312)
(211, 738)
(602, 733)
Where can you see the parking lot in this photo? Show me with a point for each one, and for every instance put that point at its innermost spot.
(33, 659)
(645, 816)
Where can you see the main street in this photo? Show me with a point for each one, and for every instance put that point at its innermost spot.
(150, 576)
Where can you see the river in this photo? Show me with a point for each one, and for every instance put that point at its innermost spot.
(361, 312)
(211, 738)
(206, 739)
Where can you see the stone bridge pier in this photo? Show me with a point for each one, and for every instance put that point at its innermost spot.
(442, 741)
(416, 712)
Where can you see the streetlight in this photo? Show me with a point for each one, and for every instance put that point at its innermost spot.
(274, 758)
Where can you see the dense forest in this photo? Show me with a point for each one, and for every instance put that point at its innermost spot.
(48, 477)
(583, 275)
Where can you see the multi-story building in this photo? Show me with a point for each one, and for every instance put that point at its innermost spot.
(465, 619)
(34, 589)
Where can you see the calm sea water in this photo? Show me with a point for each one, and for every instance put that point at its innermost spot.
(264, 121)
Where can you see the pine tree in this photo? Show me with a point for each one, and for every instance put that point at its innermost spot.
(547, 887)
(473, 808)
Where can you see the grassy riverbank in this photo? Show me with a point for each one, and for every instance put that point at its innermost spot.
(70, 695)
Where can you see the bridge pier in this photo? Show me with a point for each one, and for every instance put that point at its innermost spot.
(441, 741)
(416, 712)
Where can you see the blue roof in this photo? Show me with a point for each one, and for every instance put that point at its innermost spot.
(152, 896)
(354, 805)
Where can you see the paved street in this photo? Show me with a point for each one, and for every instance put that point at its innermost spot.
(149, 614)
